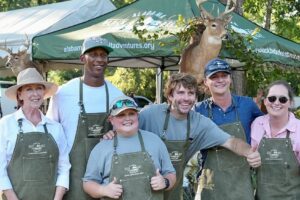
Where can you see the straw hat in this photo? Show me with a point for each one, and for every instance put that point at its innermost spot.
(30, 76)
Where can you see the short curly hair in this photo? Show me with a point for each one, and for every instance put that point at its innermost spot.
(178, 79)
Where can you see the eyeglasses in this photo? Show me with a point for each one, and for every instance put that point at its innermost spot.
(281, 99)
(126, 102)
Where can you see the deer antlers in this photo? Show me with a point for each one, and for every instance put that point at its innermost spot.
(205, 14)
(8, 50)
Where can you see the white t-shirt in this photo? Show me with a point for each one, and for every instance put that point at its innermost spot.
(64, 108)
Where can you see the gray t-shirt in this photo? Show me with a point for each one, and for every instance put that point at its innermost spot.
(204, 133)
(99, 163)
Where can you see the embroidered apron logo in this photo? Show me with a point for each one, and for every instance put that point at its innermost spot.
(274, 154)
(95, 129)
(175, 156)
(133, 170)
(37, 148)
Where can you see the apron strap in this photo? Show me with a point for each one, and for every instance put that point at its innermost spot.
(141, 141)
(20, 126)
(80, 103)
(45, 128)
(166, 123)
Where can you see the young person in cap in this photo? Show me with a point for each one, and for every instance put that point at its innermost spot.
(135, 165)
(234, 114)
(81, 106)
(34, 161)
(277, 137)
(185, 131)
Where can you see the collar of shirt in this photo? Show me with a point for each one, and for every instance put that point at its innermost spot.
(209, 102)
(291, 126)
(20, 115)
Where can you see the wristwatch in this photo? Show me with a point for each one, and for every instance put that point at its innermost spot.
(167, 183)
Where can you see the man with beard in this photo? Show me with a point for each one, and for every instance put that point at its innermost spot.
(185, 131)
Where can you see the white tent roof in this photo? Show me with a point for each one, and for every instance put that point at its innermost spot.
(47, 18)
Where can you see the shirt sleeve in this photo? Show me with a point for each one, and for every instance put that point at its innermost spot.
(205, 134)
(63, 161)
(4, 179)
(93, 171)
(52, 111)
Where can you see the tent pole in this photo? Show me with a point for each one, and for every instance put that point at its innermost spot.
(159, 82)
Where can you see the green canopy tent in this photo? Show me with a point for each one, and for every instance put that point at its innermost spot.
(64, 46)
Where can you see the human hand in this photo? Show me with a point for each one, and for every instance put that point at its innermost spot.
(158, 181)
(114, 190)
(253, 158)
(10, 194)
(109, 135)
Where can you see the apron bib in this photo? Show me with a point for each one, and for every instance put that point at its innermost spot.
(90, 128)
(226, 175)
(177, 150)
(278, 177)
(134, 171)
(33, 167)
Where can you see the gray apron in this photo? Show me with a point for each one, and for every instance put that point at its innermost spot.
(90, 128)
(177, 150)
(225, 175)
(33, 167)
(278, 177)
(134, 171)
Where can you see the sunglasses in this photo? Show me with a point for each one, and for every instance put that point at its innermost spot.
(281, 99)
(126, 102)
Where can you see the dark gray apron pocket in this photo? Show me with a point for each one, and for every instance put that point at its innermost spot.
(136, 189)
(268, 171)
(37, 169)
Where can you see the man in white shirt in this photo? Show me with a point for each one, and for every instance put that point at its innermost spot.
(81, 106)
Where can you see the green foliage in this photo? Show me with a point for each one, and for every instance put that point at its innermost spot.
(6, 5)
(139, 81)
(186, 27)
(61, 76)
(285, 16)
(120, 3)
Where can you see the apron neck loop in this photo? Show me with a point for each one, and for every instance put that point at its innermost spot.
(140, 139)
(20, 126)
(210, 113)
(166, 123)
(80, 103)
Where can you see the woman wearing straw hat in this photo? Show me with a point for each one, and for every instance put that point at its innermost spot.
(34, 163)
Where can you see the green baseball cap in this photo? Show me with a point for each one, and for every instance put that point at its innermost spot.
(94, 42)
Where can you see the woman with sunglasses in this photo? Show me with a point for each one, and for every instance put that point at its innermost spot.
(134, 165)
(277, 137)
